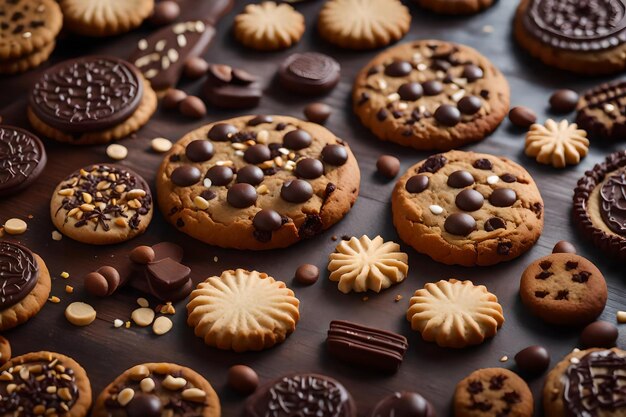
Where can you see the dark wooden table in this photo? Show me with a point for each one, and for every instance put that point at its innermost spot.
(428, 369)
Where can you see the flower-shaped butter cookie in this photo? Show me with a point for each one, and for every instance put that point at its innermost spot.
(557, 144)
(269, 26)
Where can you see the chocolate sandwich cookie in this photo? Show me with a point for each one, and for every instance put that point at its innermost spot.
(403, 404)
(257, 182)
(468, 208)
(287, 396)
(62, 105)
(602, 111)
(44, 383)
(102, 204)
(431, 94)
(600, 205)
(580, 36)
(155, 390)
(586, 383)
(22, 158)
(366, 346)
(231, 88)
(24, 284)
(455, 7)
(309, 73)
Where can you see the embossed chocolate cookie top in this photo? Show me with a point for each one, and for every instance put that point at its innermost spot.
(18, 273)
(578, 25)
(613, 202)
(22, 158)
(87, 94)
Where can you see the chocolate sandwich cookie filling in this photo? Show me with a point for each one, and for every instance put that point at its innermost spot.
(18, 273)
(22, 158)
(87, 94)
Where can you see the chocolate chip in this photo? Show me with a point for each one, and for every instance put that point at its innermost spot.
(494, 223)
(398, 69)
(460, 224)
(562, 295)
(504, 248)
(564, 101)
(222, 132)
(381, 115)
(472, 72)
(317, 112)
(432, 88)
(241, 195)
(416, 184)
(522, 116)
(199, 150)
(541, 294)
(220, 175)
(334, 155)
(503, 197)
(186, 175)
(144, 405)
(297, 139)
(460, 179)
(388, 166)
(569, 265)
(508, 178)
(309, 168)
(563, 246)
(250, 174)
(242, 379)
(600, 334)
(469, 105)
(448, 115)
(543, 275)
(267, 221)
(440, 65)
(533, 360)
(307, 274)
(172, 98)
(142, 255)
(261, 119)
(192, 106)
(545, 265)
(469, 200)
(581, 277)
(483, 164)
(296, 191)
(257, 154)
(165, 12)
(496, 383)
(433, 164)
(208, 195)
(410, 91)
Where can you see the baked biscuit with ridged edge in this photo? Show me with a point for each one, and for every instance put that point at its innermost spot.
(455, 6)
(104, 17)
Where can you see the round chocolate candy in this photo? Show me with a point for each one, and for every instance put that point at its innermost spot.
(469, 105)
(144, 405)
(460, 179)
(469, 200)
(195, 68)
(186, 175)
(483, 164)
(193, 107)
(417, 183)
(307, 274)
(564, 101)
(448, 115)
(257, 154)
(403, 404)
(494, 223)
(241, 195)
(297, 139)
(142, 255)
(563, 246)
(172, 98)
(260, 119)
(165, 12)
(222, 132)
(522, 116)
(242, 379)
(533, 360)
(388, 166)
(267, 221)
(317, 112)
(503, 197)
(398, 69)
(96, 284)
(250, 174)
(508, 178)
(432, 88)
(460, 224)
(472, 72)
(200, 150)
(296, 191)
(220, 175)
(334, 155)
(410, 91)
(599, 334)
(309, 168)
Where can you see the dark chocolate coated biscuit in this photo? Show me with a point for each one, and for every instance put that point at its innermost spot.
(22, 159)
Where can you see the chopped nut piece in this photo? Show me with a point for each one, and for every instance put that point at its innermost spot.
(54, 299)
(64, 394)
(15, 226)
(125, 396)
(143, 316)
(139, 372)
(174, 384)
(504, 358)
(56, 235)
(117, 323)
(147, 385)
(194, 394)
(143, 302)
(162, 325)
(65, 275)
(69, 289)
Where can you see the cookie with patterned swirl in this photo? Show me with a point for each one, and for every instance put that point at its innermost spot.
(22, 159)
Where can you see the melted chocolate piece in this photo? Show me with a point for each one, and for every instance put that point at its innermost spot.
(22, 158)
(19, 273)
(403, 404)
(613, 202)
(309, 73)
(239, 90)
(433, 164)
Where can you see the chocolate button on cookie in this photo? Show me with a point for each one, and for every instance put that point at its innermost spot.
(22, 158)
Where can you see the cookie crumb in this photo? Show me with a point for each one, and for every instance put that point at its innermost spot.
(215, 259)
(117, 151)
(333, 238)
(65, 275)
(621, 317)
(127, 325)
(15, 226)
(365, 298)
(69, 289)
(504, 358)
(397, 298)
(54, 299)
(56, 235)
(117, 323)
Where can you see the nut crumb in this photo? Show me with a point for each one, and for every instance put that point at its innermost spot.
(54, 299)
(127, 325)
(397, 298)
(621, 316)
(117, 323)
(365, 298)
(69, 289)
(56, 235)
(504, 358)
(215, 259)
(65, 275)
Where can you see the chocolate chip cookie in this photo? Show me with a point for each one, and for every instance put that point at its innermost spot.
(602, 111)
(468, 208)
(431, 94)
(564, 288)
(257, 182)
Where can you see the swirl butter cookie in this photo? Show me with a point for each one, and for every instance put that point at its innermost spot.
(580, 36)
(63, 107)
(155, 390)
(102, 204)
(431, 94)
(269, 26)
(257, 182)
(22, 159)
(467, 208)
(104, 17)
(455, 6)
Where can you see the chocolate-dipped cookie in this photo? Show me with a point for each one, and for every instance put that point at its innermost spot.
(602, 111)
(102, 204)
(468, 208)
(257, 182)
(22, 158)
(600, 205)
(431, 94)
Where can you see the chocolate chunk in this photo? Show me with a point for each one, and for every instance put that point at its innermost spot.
(267, 221)
(483, 164)
(257, 154)
(460, 224)
(208, 195)
(222, 132)
(164, 250)
(496, 382)
(533, 360)
(297, 139)
(312, 226)
(432, 88)
(241, 195)
(165, 12)
(504, 248)
(403, 404)
(460, 179)
(200, 150)
(142, 255)
(410, 91)
(503, 197)
(296, 191)
(469, 105)
(545, 265)
(309, 73)
(309, 168)
(508, 178)
(185, 175)
(569, 265)
(259, 120)
(544, 275)
(145, 405)
(563, 246)
(220, 175)
(242, 379)
(416, 184)
(388, 166)
(250, 174)
(469, 200)
(317, 112)
(472, 73)
(231, 88)
(307, 274)
(381, 115)
(494, 223)
(193, 107)
(522, 116)
(195, 68)
(562, 295)
(167, 274)
(398, 69)
(172, 98)
(448, 115)
(541, 294)
(581, 277)
(433, 164)
(564, 101)
(335, 155)
(599, 334)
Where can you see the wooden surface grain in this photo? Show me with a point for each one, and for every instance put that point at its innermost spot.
(428, 369)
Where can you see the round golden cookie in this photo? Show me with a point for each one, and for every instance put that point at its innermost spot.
(27, 27)
(243, 310)
(102, 204)
(564, 289)
(52, 383)
(104, 17)
(455, 6)
(430, 94)
(557, 144)
(25, 284)
(493, 392)
(14, 66)
(5, 350)
(466, 208)
(258, 182)
(144, 389)
(585, 383)
(363, 24)
(269, 26)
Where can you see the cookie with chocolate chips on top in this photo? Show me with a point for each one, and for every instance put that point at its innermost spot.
(468, 208)
(431, 94)
(257, 182)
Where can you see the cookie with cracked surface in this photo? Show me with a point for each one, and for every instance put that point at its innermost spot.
(602, 111)
(468, 208)
(25, 284)
(22, 159)
(243, 310)
(257, 182)
(586, 382)
(269, 26)
(455, 6)
(102, 204)
(557, 144)
(431, 94)
(156, 389)
(62, 107)
(104, 17)
(564, 289)
(5, 350)
(600, 205)
(362, 264)
(455, 313)
(552, 31)
(493, 392)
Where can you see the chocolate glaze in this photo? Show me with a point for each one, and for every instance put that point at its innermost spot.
(613, 202)
(22, 158)
(18, 273)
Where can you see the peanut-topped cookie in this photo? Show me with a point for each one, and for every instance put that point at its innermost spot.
(431, 94)
(468, 208)
(257, 182)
